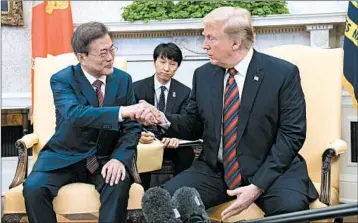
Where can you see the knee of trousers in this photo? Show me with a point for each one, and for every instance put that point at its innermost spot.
(121, 189)
(34, 192)
(170, 187)
(290, 204)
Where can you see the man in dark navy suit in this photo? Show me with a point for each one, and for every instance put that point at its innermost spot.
(94, 141)
(250, 111)
(169, 96)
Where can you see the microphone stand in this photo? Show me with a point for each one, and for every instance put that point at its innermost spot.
(337, 211)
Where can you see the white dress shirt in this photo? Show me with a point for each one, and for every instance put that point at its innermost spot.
(92, 79)
(241, 68)
(157, 91)
(103, 78)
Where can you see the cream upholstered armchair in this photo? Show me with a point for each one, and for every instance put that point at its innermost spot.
(72, 199)
(321, 71)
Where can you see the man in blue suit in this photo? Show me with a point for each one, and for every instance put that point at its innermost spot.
(94, 141)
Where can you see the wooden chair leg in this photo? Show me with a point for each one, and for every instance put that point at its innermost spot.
(338, 220)
(12, 218)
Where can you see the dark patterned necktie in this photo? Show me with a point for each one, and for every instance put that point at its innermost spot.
(161, 103)
(230, 131)
(92, 162)
(98, 84)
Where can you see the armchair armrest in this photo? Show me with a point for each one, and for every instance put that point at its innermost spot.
(335, 148)
(29, 140)
(196, 145)
(339, 146)
(26, 142)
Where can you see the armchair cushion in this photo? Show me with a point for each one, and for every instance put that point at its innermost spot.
(254, 211)
(71, 199)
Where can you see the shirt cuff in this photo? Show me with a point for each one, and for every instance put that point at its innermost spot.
(165, 125)
(262, 191)
(120, 119)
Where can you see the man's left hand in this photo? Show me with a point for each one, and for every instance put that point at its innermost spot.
(170, 143)
(245, 197)
(113, 171)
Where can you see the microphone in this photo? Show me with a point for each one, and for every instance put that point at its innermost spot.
(157, 207)
(189, 204)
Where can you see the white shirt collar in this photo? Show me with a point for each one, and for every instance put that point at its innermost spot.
(157, 85)
(92, 79)
(243, 66)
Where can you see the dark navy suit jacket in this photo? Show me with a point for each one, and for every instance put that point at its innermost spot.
(177, 97)
(83, 128)
(271, 128)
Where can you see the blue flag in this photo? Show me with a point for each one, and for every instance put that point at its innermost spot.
(350, 68)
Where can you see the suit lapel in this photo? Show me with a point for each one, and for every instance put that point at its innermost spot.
(85, 86)
(112, 85)
(172, 97)
(253, 80)
(149, 92)
(217, 88)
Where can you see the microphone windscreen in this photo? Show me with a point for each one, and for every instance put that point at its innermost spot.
(189, 204)
(157, 206)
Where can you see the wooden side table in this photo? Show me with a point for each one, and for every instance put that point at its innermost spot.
(16, 117)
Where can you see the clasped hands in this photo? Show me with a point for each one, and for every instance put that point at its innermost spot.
(144, 113)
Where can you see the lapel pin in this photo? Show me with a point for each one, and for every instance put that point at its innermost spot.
(174, 95)
(256, 78)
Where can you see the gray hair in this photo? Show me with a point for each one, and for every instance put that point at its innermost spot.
(237, 24)
(85, 34)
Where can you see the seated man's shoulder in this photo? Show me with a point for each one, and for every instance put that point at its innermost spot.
(203, 70)
(278, 63)
(120, 73)
(142, 82)
(183, 87)
(206, 66)
(64, 74)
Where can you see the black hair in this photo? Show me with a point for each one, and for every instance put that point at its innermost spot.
(168, 50)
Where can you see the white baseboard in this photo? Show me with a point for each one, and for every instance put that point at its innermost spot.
(16, 100)
(348, 188)
(347, 201)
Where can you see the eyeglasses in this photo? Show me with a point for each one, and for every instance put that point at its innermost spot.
(104, 54)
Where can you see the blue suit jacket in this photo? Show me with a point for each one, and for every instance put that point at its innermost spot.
(83, 128)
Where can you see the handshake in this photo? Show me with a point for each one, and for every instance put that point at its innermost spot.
(144, 113)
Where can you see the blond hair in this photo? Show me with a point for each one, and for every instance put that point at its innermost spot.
(237, 24)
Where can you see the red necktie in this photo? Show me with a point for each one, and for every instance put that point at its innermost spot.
(230, 131)
(98, 84)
